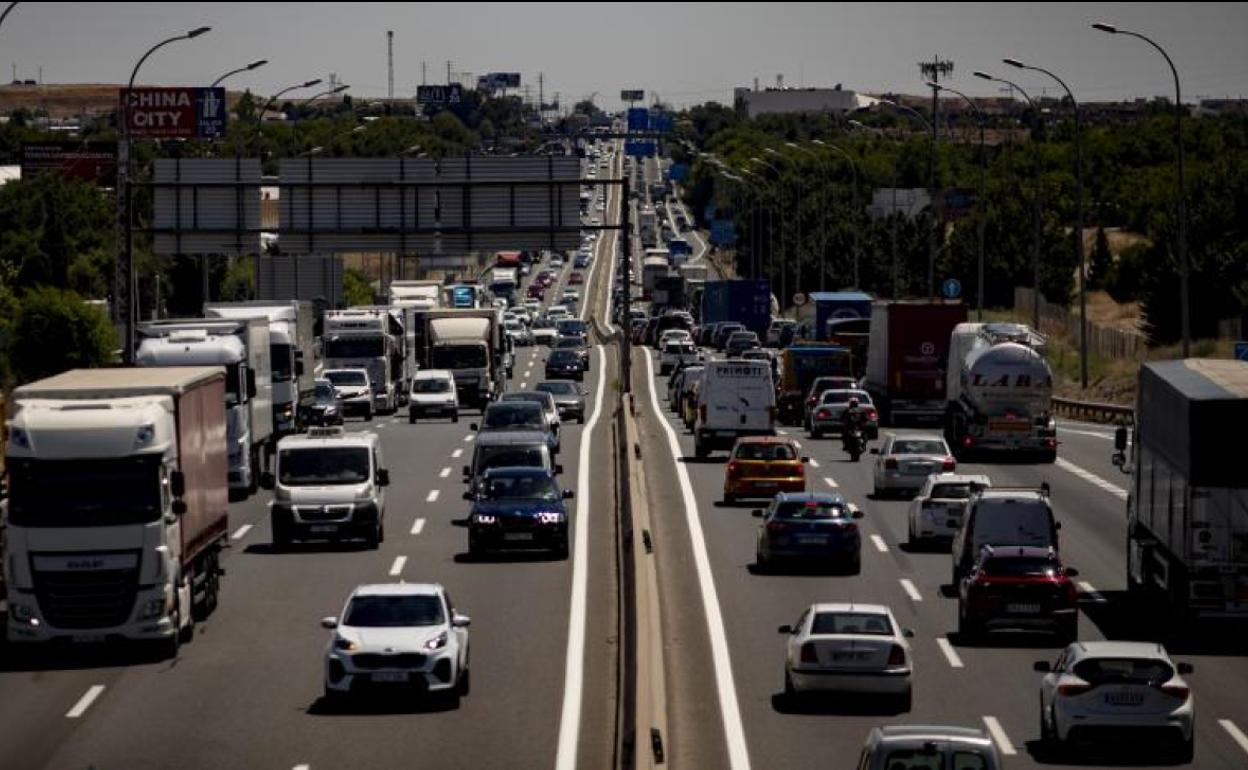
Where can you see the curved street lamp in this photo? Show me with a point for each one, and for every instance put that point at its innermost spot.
(247, 68)
(1184, 264)
(797, 214)
(853, 168)
(330, 92)
(1083, 269)
(774, 186)
(983, 170)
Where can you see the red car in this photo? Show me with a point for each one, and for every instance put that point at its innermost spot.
(546, 278)
(1022, 588)
(537, 290)
(576, 278)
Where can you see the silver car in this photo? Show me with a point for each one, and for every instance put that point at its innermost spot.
(1101, 689)
(903, 463)
(936, 514)
(928, 746)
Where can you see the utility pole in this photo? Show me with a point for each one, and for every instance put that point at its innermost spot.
(424, 73)
(932, 72)
(448, 72)
(390, 67)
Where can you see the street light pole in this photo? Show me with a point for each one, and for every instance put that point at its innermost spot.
(125, 289)
(825, 204)
(1083, 270)
(797, 213)
(1185, 266)
(776, 188)
(247, 68)
(983, 169)
(853, 197)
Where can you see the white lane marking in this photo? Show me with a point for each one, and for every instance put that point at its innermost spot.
(879, 543)
(85, 701)
(469, 437)
(397, 568)
(445, 473)
(381, 425)
(998, 735)
(1107, 437)
(433, 496)
(783, 432)
(574, 665)
(814, 463)
(1236, 734)
(1092, 478)
(418, 526)
(831, 482)
(1091, 592)
(524, 385)
(458, 453)
(302, 767)
(911, 591)
(797, 444)
(730, 710)
(241, 532)
(951, 654)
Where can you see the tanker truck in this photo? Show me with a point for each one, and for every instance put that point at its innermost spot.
(1000, 392)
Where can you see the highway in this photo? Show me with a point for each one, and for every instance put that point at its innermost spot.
(246, 692)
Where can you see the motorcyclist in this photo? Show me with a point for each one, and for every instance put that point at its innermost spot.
(853, 420)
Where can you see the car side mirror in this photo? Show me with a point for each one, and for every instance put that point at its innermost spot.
(757, 513)
(267, 481)
(1072, 572)
(785, 629)
(856, 514)
(568, 494)
(1185, 668)
(460, 621)
(473, 426)
(383, 477)
(908, 633)
(875, 450)
(1041, 667)
(329, 623)
(178, 507)
(1120, 439)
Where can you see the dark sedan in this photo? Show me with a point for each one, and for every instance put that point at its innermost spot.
(817, 528)
(569, 398)
(566, 364)
(326, 407)
(518, 508)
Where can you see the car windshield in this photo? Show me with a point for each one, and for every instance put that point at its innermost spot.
(510, 457)
(513, 415)
(761, 451)
(394, 611)
(564, 357)
(316, 466)
(958, 491)
(872, 623)
(919, 447)
(520, 488)
(431, 385)
(570, 343)
(1021, 566)
(325, 391)
(811, 510)
(558, 388)
(1124, 671)
(347, 378)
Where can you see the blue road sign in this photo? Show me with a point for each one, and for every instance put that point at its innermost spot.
(951, 288)
(679, 172)
(639, 149)
(1241, 351)
(661, 122)
(723, 232)
(638, 119)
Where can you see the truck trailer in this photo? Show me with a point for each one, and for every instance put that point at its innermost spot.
(908, 357)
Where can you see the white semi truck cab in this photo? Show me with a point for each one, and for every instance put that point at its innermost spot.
(118, 504)
(371, 339)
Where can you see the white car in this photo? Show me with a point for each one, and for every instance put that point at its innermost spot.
(545, 331)
(397, 636)
(534, 306)
(556, 262)
(558, 312)
(433, 392)
(849, 648)
(936, 514)
(677, 352)
(674, 335)
(1098, 688)
(353, 389)
(904, 462)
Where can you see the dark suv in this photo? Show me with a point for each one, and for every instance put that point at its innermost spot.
(520, 508)
(1021, 588)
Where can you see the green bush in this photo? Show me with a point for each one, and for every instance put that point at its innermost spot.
(55, 330)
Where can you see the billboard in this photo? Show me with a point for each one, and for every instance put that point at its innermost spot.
(451, 94)
(632, 96)
(173, 113)
(497, 81)
(94, 162)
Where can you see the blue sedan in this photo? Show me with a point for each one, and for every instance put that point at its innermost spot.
(818, 528)
(518, 508)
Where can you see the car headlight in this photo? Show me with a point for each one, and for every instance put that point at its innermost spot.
(551, 517)
(484, 518)
(346, 645)
(437, 642)
(152, 608)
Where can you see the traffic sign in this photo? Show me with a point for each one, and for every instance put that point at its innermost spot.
(639, 149)
(173, 113)
(1241, 351)
(951, 288)
(632, 96)
(679, 172)
(723, 232)
(638, 119)
(451, 94)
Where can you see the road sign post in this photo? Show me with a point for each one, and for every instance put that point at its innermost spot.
(951, 288)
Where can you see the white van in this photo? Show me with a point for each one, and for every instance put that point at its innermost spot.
(735, 398)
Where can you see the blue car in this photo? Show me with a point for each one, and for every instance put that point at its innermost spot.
(819, 528)
(518, 509)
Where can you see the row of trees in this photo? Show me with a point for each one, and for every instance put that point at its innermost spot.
(1129, 183)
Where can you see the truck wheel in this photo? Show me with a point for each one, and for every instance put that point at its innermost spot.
(368, 416)
(254, 484)
(699, 450)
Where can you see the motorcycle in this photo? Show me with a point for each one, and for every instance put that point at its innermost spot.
(854, 442)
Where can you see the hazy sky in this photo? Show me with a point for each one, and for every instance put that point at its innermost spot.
(685, 52)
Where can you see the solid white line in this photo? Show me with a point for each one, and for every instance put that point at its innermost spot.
(418, 526)
(782, 432)
(382, 425)
(458, 453)
(433, 496)
(524, 385)
(880, 545)
(911, 591)
(445, 472)
(397, 567)
(302, 767)
(1091, 592)
(1092, 478)
(241, 532)
(951, 654)
(1236, 734)
(85, 701)
(831, 482)
(730, 710)
(1107, 437)
(574, 665)
(998, 735)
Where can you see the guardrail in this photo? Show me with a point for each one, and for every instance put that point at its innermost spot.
(1094, 411)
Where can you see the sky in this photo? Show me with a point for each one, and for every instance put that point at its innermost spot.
(685, 53)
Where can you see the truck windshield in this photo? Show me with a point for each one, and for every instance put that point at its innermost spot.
(347, 377)
(315, 466)
(459, 357)
(233, 385)
(283, 362)
(355, 347)
(84, 493)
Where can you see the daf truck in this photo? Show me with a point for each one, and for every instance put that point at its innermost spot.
(242, 347)
(118, 505)
(471, 344)
(373, 339)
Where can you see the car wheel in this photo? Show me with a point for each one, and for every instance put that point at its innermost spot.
(281, 537)
(455, 416)
(1068, 633)
(368, 416)
(561, 550)
(335, 698)
(729, 499)
(465, 681)
(761, 562)
(699, 449)
(1187, 750)
(966, 629)
(789, 690)
(580, 419)
(816, 433)
(905, 701)
(411, 419)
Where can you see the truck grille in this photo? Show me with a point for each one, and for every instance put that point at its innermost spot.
(87, 599)
(371, 660)
(323, 512)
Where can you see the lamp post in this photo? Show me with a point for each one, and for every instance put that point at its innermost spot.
(853, 167)
(330, 92)
(983, 169)
(125, 290)
(823, 214)
(1037, 168)
(775, 188)
(931, 240)
(4, 14)
(756, 268)
(797, 214)
(1083, 270)
(248, 68)
(1184, 264)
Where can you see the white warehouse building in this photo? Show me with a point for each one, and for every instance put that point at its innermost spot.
(755, 102)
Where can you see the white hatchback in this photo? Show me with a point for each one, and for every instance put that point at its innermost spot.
(936, 514)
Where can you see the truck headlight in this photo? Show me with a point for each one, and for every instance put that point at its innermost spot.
(152, 608)
(21, 613)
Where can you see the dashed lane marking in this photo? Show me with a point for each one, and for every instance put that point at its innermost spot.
(418, 526)
(1092, 478)
(814, 463)
(85, 701)
(433, 496)
(458, 453)
(469, 437)
(911, 591)
(241, 532)
(445, 472)
(998, 735)
(1236, 734)
(1091, 592)
(879, 544)
(831, 482)
(951, 654)
(397, 568)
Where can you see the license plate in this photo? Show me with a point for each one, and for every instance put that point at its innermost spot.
(88, 638)
(812, 539)
(766, 484)
(392, 677)
(851, 655)
(1023, 609)
(324, 528)
(1123, 699)
(518, 536)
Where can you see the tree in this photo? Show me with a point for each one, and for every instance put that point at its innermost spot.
(1101, 262)
(356, 288)
(83, 336)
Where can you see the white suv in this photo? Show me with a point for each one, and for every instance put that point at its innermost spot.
(433, 392)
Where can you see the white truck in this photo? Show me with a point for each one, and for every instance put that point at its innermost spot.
(735, 398)
(1000, 391)
(373, 339)
(424, 294)
(242, 347)
(504, 282)
(294, 354)
(472, 346)
(118, 506)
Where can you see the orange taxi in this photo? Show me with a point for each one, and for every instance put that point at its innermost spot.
(761, 466)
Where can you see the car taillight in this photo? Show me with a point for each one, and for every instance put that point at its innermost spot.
(1051, 443)
(968, 441)
(890, 464)
(849, 527)
(733, 469)
(1070, 690)
(897, 656)
(776, 526)
(823, 414)
(872, 415)
(812, 401)
(808, 653)
(950, 464)
(1176, 690)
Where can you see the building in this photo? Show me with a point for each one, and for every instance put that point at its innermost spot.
(772, 101)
